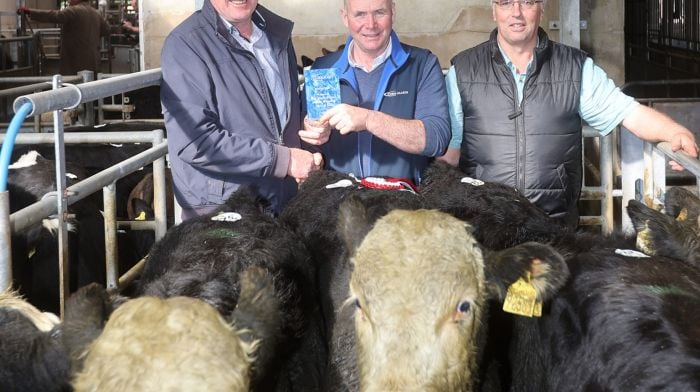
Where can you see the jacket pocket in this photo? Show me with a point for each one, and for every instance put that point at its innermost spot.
(215, 190)
(478, 171)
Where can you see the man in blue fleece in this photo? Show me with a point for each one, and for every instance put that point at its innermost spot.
(394, 116)
(231, 107)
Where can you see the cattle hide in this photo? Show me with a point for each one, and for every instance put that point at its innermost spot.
(623, 321)
(32, 356)
(203, 258)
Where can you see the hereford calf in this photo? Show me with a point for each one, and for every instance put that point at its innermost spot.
(179, 343)
(419, 285)
(313, 214)
(204, 258)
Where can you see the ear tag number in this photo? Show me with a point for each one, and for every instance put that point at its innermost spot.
(521, 299)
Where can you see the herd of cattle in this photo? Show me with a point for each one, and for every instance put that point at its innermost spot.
(357, 288)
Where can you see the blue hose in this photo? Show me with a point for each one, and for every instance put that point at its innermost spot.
(9, 143)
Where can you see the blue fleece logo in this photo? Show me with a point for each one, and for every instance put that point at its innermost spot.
(390, 94)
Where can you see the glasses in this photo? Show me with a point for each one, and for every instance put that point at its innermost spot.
(509, 4)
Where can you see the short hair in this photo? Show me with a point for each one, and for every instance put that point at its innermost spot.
(544, 2)
(345, 3)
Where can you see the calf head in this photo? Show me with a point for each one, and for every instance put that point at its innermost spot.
(178, 343)
(418, 288)
(662, 235)
(682, 205)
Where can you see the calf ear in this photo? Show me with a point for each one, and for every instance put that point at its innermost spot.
(87, 311)
(353, 223)
(547, 268)
(141, 210)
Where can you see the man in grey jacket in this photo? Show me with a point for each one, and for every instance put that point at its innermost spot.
(232, 112)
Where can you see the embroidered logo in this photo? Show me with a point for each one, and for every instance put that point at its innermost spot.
(390, 94)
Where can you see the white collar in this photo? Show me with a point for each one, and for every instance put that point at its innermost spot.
(375, 63)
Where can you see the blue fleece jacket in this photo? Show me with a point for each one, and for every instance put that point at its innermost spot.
(411, 87)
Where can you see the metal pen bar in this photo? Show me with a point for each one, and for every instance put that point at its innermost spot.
(606, 183)
(32, 214)
(689, 163)
(111, 252)
(38, 79)
(61, 203)
(137, 225)
(70, 96)
(159, 194)
(5, 241)
(88, 137)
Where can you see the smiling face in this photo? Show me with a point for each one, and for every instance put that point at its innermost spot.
(237, 12)
(369, 23)
(517, 26)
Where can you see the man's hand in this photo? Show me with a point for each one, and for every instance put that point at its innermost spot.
(683, 141)
(315, 132)
(24, 10)
(302, 162)
(346, 118)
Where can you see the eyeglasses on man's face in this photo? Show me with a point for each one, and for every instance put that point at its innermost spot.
(525, 4)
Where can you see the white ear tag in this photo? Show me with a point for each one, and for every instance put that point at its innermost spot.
(630, 253)
(227, 217)
(340, 184)
(472, 181)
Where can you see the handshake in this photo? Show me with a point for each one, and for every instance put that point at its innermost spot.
(23, 10)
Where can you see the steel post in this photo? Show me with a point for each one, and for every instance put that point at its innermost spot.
(5, 242)
(109, 193)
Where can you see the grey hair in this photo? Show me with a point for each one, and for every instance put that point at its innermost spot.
(544, 2)
(393, 3)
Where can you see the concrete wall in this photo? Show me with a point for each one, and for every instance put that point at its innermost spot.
(444, 26)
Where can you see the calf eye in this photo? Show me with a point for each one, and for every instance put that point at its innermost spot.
(357, 304)
(463, 306)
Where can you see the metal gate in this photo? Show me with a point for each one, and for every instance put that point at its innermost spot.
(662, 40)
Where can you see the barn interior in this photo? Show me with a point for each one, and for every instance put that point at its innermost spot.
(649, 48)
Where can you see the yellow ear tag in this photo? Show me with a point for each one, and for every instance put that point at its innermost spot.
(141, 216)
(521, 299)
(683, 215)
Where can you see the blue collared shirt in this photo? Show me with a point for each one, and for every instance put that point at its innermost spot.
(602, 105)
(259, 45)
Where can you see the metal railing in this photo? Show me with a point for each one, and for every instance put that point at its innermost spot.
(70, 96)
(42, 83)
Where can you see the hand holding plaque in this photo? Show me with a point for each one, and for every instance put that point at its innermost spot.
(322, 87)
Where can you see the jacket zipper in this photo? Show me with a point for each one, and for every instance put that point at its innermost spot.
(261, 79)
(519, 133)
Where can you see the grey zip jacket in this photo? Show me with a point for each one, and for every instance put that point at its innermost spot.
(222, 125)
